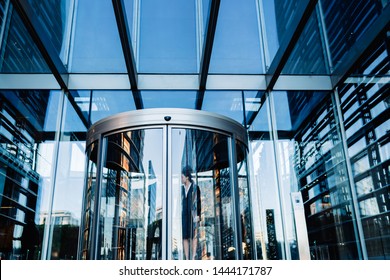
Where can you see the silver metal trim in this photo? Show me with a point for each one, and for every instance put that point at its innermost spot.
(236, 82)
(167, 194)
(237, 241)
(98, 81)
(28, 81)
(164, 82)
(307, 82)
(149, 117)
(168, 82)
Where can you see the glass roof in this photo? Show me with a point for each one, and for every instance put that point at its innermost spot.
(96, 45)
(168, 37)
(200, 54)
(237, 45)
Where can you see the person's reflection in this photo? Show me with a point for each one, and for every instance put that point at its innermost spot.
(191, 212)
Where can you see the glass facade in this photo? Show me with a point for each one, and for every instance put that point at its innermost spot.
(307, 80)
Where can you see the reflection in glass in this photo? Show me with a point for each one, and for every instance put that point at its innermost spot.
(245, 209)
(89, 203)
(312, 161)
(277, 15)
(206, 153)
(365, 106)
(131, 197)
(25, 166)
(18, 53)
(268, 229)
(307, 56)
(55, 20)
(108, 103)
(69, 183)
(226, 103)
(346, 27)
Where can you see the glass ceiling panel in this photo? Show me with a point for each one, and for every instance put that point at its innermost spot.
(227, 103)
(278, 15)
(55, 19)
(256, 102)
(130, 9)
(308, 55)
(19, 54)
(346, 21)
(168, 99)
(168, 37)
(2, 13)
(108, 103)
(237, 48)
(96, 45)
(293, 107)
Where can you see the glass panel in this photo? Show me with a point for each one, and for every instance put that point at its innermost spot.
(278, 16)
(18, 52)
(202, 216)
(168, 99)
(168, 37)
(104, 103)
(267, 219)
(312, 161)
(26, 146)
(131, 198)
(96, 45)
(346, 22)
(237, 48)
(68, 189)
(365, 104)
(3, 12)
(55, 20)
(293, 107)
(107, 103)
(245, 202)
(227, 103)
(89, 203)
(308, 56)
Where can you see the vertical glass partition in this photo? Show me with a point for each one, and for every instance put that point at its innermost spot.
(203, 220)
(167, 187)
(131, 199)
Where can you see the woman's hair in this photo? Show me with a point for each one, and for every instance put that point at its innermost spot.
(187, 172)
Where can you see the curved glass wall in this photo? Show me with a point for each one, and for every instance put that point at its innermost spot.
(166, 184)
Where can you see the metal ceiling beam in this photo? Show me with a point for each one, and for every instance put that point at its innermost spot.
(302, 15)
(128, 52)
(362, 47)
(207, 50)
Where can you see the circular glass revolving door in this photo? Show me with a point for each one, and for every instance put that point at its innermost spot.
(166, 184)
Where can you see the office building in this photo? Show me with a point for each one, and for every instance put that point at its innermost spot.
(279, 107)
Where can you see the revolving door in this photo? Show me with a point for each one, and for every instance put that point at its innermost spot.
(166, 184)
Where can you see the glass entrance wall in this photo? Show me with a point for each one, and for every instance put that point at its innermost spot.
(167, 187)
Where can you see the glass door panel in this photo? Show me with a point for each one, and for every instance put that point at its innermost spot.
(202, 204)
(89, 202)
(245, 205)
(130, 224)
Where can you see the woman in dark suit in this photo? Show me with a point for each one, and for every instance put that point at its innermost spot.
(191, 212)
